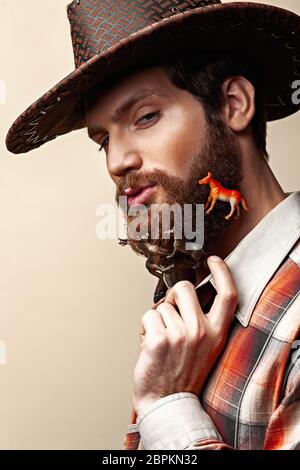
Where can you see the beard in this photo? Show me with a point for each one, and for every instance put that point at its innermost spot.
(219, 155)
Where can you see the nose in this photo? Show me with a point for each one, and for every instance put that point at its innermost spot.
(122, 157)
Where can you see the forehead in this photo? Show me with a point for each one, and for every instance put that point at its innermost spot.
(112, 94)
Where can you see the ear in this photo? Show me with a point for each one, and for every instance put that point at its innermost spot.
(209, 173)
(239, 107)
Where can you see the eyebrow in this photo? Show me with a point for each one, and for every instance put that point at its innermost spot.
(125, 107)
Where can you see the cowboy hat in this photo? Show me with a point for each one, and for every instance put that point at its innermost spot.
(110, 36)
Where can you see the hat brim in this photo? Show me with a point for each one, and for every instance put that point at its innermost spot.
(269, 35)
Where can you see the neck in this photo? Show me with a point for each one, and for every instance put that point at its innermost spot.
(262, 192)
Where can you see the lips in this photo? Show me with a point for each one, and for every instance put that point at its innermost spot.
(140, 195)
(136, 190)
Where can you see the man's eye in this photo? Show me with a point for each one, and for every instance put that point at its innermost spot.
(103, 144)
(151, 115)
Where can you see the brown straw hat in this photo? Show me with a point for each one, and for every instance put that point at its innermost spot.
(111, 35)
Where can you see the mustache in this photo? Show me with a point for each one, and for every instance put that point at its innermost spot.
(137, 179)
(174, 187)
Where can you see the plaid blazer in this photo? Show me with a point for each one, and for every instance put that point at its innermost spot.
(251, 399)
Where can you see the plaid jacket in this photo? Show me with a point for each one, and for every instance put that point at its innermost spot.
(251, 397)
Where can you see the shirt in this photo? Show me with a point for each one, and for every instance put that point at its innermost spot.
(251, 399)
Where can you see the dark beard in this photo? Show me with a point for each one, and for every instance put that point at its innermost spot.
(221, 156)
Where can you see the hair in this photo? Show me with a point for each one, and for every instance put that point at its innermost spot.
(204, 78)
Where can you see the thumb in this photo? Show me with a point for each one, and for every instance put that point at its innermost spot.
(225, 302)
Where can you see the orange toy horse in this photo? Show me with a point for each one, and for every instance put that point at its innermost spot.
(228, 195)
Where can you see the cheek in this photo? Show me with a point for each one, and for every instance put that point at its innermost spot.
(178, 139)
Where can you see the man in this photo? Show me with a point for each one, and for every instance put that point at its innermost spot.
(218, 367)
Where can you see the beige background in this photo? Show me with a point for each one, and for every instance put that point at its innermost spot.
(70, 303)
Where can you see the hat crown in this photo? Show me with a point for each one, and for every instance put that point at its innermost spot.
(97, 25)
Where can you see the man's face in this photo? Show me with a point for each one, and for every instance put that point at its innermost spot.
(162, 139)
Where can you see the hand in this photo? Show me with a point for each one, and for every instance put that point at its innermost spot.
(178, 350)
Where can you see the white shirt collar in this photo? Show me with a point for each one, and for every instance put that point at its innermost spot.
(258, 255)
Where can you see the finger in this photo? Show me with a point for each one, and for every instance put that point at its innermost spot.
(152, 323)
(183, 295)
(172, 320)
(154, 306)
(225, 302)
(161, 300)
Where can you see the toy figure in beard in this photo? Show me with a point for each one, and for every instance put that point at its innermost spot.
(219, 155)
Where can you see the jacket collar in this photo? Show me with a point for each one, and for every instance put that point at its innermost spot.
(258, 255)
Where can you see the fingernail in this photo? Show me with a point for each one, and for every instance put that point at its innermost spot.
(214, 258)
